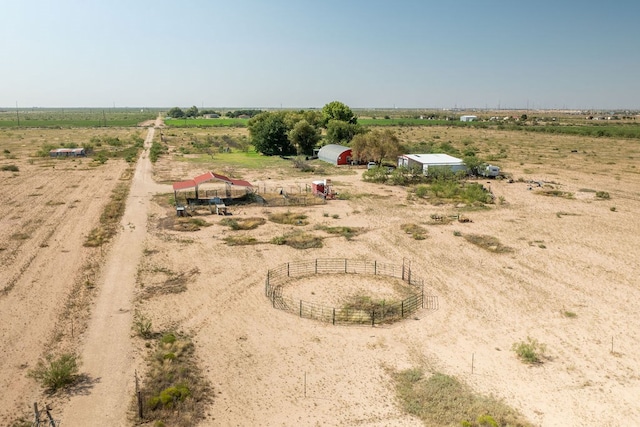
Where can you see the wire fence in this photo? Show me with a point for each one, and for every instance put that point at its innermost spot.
(278, 277)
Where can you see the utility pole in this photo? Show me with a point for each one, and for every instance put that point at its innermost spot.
(17, 113)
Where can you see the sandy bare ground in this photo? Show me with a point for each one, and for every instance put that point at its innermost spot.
(268, 367)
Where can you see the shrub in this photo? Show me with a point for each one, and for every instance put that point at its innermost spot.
(55, 373)
(530, 351)
(422, 191)
(142, 325)
(602, 195)
(10, 168)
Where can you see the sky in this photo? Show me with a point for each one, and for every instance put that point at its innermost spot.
(547, 54)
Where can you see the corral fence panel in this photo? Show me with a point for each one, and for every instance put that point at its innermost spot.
(277, 277)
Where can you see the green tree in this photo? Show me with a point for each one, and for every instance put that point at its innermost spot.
(304, 137)
(377, 146)
(269, 134)
(336, 110)
(339, 132)
(176, 113)
(192, 112)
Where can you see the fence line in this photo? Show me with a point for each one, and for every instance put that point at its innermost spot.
(386, 313)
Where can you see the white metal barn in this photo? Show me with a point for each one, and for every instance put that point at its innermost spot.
(468, 118)
(425, 161)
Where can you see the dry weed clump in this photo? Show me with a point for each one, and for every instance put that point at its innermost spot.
(243, 223)
(347, 232)
(290, 218)
(242, 240)
(298, 240)
(555, 193)
(418, 232)
(488, 243)
(174, 284)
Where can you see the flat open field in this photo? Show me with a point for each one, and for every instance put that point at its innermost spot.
(567, 279)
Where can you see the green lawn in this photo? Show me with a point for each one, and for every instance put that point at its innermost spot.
(240, 159)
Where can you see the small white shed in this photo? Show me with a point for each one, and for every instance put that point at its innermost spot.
(468, 118)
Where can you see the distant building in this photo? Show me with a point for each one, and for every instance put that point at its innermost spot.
(335, 154)
(211, 116)
(468, 118)
(425, 161)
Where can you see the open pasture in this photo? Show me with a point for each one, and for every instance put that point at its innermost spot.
(74, 117)
(566, 280)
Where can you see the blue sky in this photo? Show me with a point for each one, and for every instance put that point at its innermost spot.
(302, 54)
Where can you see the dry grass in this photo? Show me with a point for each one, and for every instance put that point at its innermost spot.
(488, 243)
(290, 218)
(298, 240)
(347, 232)
(243, 223)
(242, 240)
(416, 231)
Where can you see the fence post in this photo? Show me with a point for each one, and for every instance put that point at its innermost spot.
(409, 276)
(402, 309)
(423, 297)
(316, 265)
(375, 268)
(345, 265)
(273, 298)
(288, 270)
(334, 316)
(300, 308)
(373, 317)
(266, 286)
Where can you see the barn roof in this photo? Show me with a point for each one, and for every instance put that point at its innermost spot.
(434, 159)
(332, 151)
(209, 176)
(183, 185)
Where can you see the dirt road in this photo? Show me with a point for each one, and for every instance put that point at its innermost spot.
(106, 351)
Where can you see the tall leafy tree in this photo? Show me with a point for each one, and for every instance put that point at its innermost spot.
(305, 137)
(269, 134)
(336, 110)
(192, 112)
(339, 132)
(377, 146)
(176, 113)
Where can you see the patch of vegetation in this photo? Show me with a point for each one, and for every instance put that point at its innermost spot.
(20, 236)
(110, 218)
(602, 195)
(298, 240)
(10, 168)
(418, 232)
(555, 193)
(243, 223)
(240, 240)
(55, 373)
(290, 218)
(488, 243)
(175, 391)
(530, 351)
(443, 400)
(569, 314)
(142, 325)
(190, 224)
(175, 283)
(347, 232)
(561, 214)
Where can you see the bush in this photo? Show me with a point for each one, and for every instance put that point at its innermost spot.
(530, 351)
(602, 195)
(56, 373)
(11, 168)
